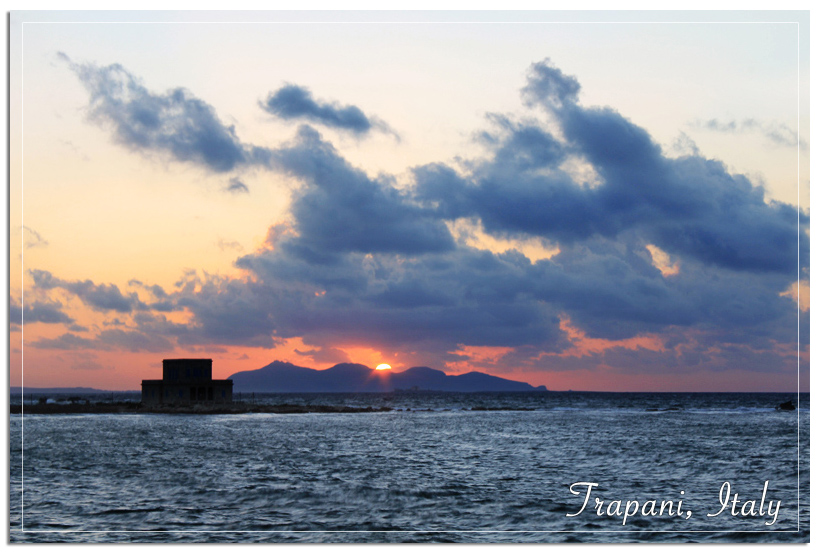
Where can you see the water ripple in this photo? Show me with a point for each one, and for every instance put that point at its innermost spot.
(454, 475)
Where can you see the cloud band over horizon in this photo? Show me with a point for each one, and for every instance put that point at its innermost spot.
(362, 261)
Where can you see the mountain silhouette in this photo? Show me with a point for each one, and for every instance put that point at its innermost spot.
(284, 377)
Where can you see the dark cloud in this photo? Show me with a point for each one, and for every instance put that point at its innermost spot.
(102, 297)
(175, 123)
(465, 296)
(37, 312)
(296, 102)
(474, 297)
(341, 209)
(737, 251)
(365, 262)
(67, 341)
(163, 301)
(236, 186)
(691, 206)
(155, 290)
(107, 340)
(687, 359)
(326, 356)
(229, 312)
(805, 330)
(548, 86)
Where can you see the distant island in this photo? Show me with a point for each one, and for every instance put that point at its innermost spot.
(76, 390)
(283, 377)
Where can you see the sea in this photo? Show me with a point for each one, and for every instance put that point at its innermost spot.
(525, 467)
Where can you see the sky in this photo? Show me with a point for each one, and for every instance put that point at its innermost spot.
(598, 201)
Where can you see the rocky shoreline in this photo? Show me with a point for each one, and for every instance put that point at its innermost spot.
(196, 409)
(237, 408)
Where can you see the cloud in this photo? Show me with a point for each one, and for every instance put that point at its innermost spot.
(734, 251)
(548, 86)
(691, 206)
(224, 311)
(672, 251)
(175, 124)
(67, 341)
(107, 340)
(236, 186)
(133, 341)
(776, 133)
(326, 356)
(162, 303)
(684, 145)
(33, 239)
(227, 245)
(293, 102)
(37, 312)
(102, 297)
(341, 209)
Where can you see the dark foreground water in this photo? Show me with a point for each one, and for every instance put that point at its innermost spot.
(434, 471)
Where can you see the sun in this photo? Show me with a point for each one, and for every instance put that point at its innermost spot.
(383, 367)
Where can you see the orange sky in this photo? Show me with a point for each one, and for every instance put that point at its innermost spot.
(108, 219)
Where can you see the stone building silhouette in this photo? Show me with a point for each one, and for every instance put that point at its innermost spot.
(187, 381)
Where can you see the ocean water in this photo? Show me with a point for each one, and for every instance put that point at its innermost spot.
(439, 467)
